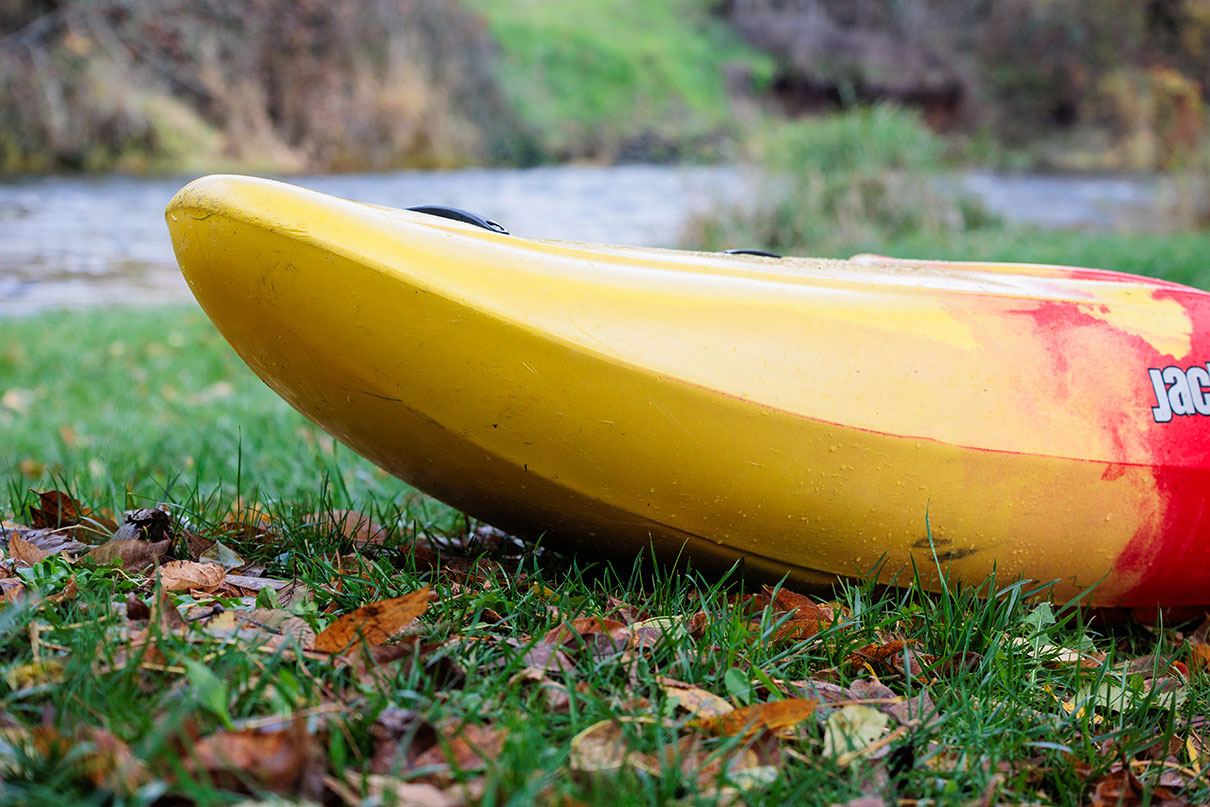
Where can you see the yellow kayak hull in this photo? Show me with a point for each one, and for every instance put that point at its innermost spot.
(806, 416)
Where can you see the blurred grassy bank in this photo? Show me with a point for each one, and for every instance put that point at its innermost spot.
(870, 180)
(625, 81)
(281, 85)
(284, 86)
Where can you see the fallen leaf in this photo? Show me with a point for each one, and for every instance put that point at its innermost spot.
(601, 637)
(17, 399)
(136, 609)
(705, 763)
(380, 789)
(69, 592)
(109, 763)
(55, 509)
(1121, 788)
(151, 524)
(11, 590)
(46, 540)
(567, 632)
(698, 702)
(777, 717)
(374, 623)
(806, 617)
(31, 468)
(546, 657)
(1197, 746)
(164, 613)
(650, 633)
(599, 748)
(556, 695)
(254, 584)
(223, 555)
(23, 551)
(624, 611)
(23, 676)
(184, 575)
(1117, 695)
(284, 761)
(463, 748)
(897, 655)
(399, 735)
(134, 554)
(1199, 655)
(348, 524)
(852, 728)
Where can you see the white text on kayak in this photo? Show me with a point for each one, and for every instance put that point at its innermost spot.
(1180, 392)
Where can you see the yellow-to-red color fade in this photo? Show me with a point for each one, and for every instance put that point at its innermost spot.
(804, 415)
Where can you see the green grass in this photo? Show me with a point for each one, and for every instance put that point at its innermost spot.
(173, 415)
(156, 403)
(633, 79)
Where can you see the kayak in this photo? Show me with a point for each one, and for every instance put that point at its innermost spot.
(814, 419)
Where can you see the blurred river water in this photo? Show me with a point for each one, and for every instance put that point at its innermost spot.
(78, 242)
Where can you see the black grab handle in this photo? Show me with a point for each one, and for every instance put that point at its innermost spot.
(761, 252)
(458, 214)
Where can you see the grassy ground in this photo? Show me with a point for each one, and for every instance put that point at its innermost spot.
(521, 675)
(630, 80)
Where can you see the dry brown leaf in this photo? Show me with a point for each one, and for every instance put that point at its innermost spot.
(546, 657)
(134, 554)
(463, 748)
(399, 736)
(163, 612)
(897, 655)
(11, 590)
(381, 789)
(624, 611)
(698, 624)
(69, 592)
(556, 695)
(774, 716)
(602, 637)
(599, 748)
(255, 584)
(183, 575)
(349, 524)
(806, 617)
(1199, 655)
(1121, 788)
(698, 702)
(23, 551)
(48, 541)
(150, 524)
(55, 509)
(283, 761)
(110, 764)
(374, 623)
(704, 762)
